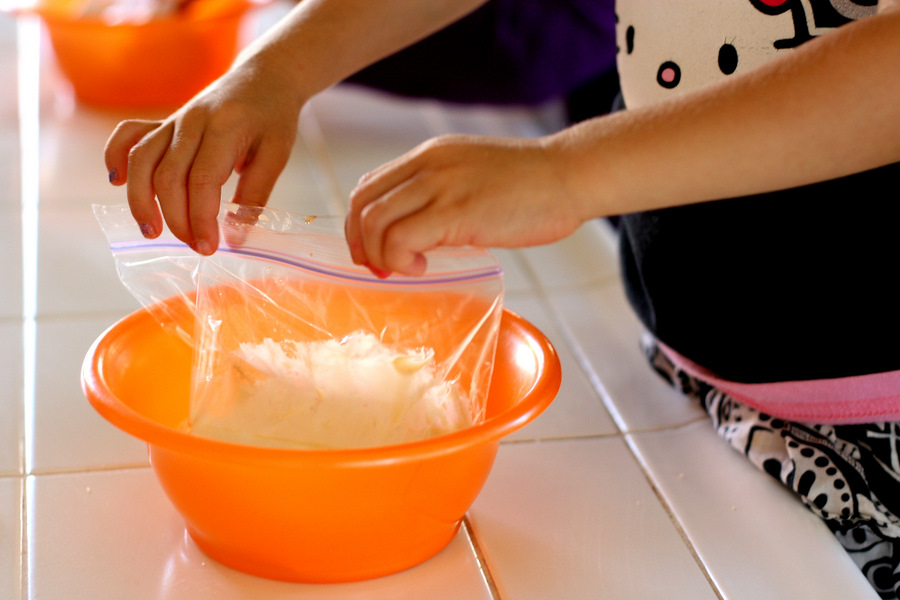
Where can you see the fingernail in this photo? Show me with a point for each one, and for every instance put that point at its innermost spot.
(113, 175)
(379, 273)
(147, 230)
(202, 247)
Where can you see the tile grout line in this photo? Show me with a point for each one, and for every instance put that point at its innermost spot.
(481, 559)
(624, 433)
(23, 514)
(583, 363)
(549, 439)
(438, 123)
(673, 518)
(592, 376)
(88, 470)
(60, 317)
(600, 436)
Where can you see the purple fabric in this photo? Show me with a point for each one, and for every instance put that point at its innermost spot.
(506, 52)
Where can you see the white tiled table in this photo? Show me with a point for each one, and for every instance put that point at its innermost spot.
(619, 490)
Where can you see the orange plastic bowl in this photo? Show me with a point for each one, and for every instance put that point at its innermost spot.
(157, 64)
(311, 515)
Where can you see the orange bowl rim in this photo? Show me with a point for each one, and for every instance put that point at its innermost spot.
(58, 17)
(533, 401)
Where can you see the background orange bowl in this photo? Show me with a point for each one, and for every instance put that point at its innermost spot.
(310, 515)
(161, 63)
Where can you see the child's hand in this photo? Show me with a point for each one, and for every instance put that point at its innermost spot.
(455, 191)
(244, 122)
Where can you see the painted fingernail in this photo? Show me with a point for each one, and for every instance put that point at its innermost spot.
(113, 175)
(147, 230)
(379, 273)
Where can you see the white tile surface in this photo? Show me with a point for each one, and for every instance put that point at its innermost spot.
(308, 184)
(578, 410)
(516, 277)
(10, 537)
(72, 171)
(8, 79)
(9, 153)
(11, 265)
(68, 434)
(578, 520)
(11, 408)
(589, 256)
(725, 504)
(510, 121)
(605, 335)
(74, 262)
(113, 534)
(362, 130)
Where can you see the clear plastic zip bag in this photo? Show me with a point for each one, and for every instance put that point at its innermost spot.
(295, 346)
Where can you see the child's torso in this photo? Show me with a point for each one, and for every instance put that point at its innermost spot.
(671, 46)
(789, 285)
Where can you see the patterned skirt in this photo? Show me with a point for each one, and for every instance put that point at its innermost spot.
(848, 475)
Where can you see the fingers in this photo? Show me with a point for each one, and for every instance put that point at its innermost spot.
(175, 170)
(171, 172)
(141, 197)
(143, 159)
(123, 138)
(372, 205)
(200, 165)
(457, 191)
(259, 172)
(381, 198)
(394, 231)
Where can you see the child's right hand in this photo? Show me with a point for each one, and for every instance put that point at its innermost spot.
(246, 122)
(459, 190)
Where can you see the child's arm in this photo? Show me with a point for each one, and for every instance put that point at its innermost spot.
(826, 109)
(246, 121)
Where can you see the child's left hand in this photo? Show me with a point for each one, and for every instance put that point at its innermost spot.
(454, 191)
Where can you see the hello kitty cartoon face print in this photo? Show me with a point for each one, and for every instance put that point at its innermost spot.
(671, 46)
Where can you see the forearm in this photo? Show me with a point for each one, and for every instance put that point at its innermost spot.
(324, 41)
(824, 110)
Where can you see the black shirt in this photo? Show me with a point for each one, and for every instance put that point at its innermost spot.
(792, 285)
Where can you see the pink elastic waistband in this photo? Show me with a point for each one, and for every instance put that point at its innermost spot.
(842, 400)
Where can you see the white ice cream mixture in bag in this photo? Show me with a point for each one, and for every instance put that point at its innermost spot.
(349, 393)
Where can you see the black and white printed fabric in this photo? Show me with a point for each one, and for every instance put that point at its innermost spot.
(848, 475)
